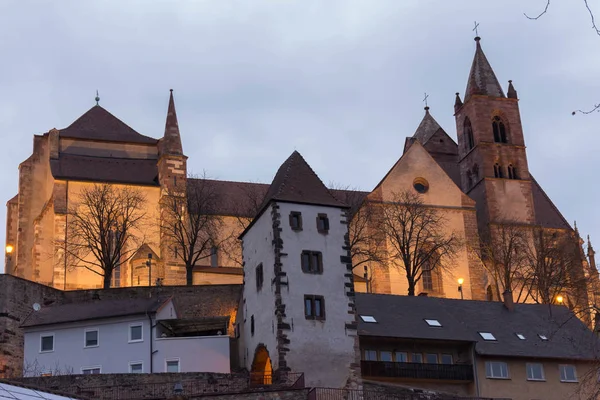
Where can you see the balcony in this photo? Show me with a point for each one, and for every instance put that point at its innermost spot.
(448, 372)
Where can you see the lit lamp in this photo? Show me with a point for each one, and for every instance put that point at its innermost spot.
(9, 250)
(559, 299)
(460, 283)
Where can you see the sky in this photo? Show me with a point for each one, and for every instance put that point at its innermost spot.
(341, 81)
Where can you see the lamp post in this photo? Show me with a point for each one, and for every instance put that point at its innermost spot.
(460, 288)
(559, 299)
(9, 250)
(149, 265)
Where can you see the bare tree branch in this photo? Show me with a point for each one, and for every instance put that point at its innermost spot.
(596, 108)
(540, 14)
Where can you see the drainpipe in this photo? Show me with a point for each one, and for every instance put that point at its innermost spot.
(151, 339)
(475, 376)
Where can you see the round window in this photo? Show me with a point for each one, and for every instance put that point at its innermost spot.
(421, 185)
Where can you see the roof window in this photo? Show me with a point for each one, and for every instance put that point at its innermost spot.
(368, 318)
(487, 336)
(520, 336)
(543, 337)
(433, 322)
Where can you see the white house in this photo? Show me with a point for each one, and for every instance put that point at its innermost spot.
(122, 336)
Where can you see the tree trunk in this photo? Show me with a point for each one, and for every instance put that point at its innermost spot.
(411, 287)
(107, 280)
(189, 276)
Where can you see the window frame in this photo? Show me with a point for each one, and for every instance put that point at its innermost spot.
(489, 374)
(490, 338)
(368, 319)
(369, 351)
(560, 373)
(259, 276)
(44, 335)
(325, 218)
(91, 368)
(391, 353)
(412, 358)
(312, 298)
(133, 325)
(132, 363)
(528, 367)
(168, 360)
(434, 323)
(85, 332)
(310, 269)
(405, 355)
(436, 355)
(294, 214)
(447, 355)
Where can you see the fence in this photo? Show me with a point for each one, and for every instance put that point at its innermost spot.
(348, 394)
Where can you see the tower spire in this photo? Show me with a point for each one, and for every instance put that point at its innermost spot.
(172, 138)
(482, 79)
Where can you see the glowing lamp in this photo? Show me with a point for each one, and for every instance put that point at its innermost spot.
(460, 281)
(9, 248)
(559, 299)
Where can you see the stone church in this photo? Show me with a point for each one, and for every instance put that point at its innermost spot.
(482, 179)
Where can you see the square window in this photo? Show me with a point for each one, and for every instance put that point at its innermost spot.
(368, 318)
(46, 343)
(172, 366)
(322, 223)
(447, 359)
(314, 307)
(136, 367)
(568, 373)
(296, 220)
(135, 333)
(535, 372)
(312, 262)
(385, 356)
(91, 338)
(370, 355)
(520, 336)
(431, 358)
(416, 358)
(259, 277)
(401, 356)
(433, 322)
(90, 370)
(496, 370)
(487, 336)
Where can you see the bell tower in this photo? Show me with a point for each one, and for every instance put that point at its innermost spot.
(491, 147)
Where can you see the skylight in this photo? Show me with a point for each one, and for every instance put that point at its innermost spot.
(520, 336)
(487, 336)
(543, 337)
(433, 322)
(368, 318)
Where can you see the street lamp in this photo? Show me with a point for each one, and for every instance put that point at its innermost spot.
(9, 250)
(460, 288)
(559, 299)
(149, 265)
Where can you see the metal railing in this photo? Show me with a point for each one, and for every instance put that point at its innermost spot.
(349, 394)
(451, 372)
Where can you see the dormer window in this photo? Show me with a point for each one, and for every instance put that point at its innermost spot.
(499, 130)
(322, 223)
(296, 220)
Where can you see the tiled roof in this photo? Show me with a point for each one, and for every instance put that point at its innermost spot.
(238, 199)
(546, 213)
(105, 169)
(97, 309)
(99, 124)
(171, 143)
(403, 317)
(427, 128)
(482, 79)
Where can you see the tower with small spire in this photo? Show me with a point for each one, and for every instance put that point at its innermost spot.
(491, 147)
(172, 177)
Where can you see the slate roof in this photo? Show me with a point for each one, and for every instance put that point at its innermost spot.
(482, 79)
(238, 199)
(98, 309)
(547, 214)
(427, 128)
(403, 317)
(99, 124)
(105, 169)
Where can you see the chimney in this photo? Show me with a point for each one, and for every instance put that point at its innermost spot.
(509, 303)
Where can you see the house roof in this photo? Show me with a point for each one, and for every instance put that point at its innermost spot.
(403, 317)
(482, 79)
(105, 169)
(91, 310)
(99, 124)
(19, 391)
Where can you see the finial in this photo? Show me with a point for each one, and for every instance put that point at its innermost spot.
(425, 100)
(477, 38)
(457, 102)
(171, 90)
(97, 98)
(511, 93)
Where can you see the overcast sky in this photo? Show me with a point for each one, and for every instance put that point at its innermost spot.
(341, 81)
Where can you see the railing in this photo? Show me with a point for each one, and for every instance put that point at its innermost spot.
(348, 394)
(451, 372)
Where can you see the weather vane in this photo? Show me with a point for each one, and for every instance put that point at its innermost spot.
(475, 29)
(97, 98)
(425, 99)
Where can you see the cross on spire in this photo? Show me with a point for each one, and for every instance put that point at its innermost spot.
(475, 29)
(425, 100)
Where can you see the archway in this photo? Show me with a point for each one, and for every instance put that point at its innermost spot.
(262, 370)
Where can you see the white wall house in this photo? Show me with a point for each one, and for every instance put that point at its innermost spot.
(297, 311)
(121, 336)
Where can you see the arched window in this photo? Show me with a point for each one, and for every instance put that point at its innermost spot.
(489, 293)
(499, 130)
(498, 171)
(512, 172)
(431, 278)
(468, 134)
(469, 178)
(475, 172)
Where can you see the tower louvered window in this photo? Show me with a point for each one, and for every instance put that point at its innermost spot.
(512, 172)
(498, 171)
(468, 132)
(499, 130)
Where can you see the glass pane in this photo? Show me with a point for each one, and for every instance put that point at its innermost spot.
(417, 358)
(370, 355)
(446, 358)
(535, 371)
(315, 262)
(48, 343)
(567, 373)
(385, 356)
(136, 333)
(432, 358)
(318, 308)
(308, 307)
(91, 338)
(305, 261)
(401, 356)
(172, 366)
(136, 368)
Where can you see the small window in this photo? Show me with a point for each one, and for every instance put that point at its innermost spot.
(431, 358)
(370, 355)
(312, 262)
(314, 307)
(46, 343)
(368, 318)
(259, 277)
(136, 367)
(91, 338)
(499, 130)
(496, 370)
(91, 370)
(135, 333)
(512, 172)
(487, 336)
(520, 336)
(568, 373)
(421, 185)
(252, 325)
(322, 223)
(468, 132)
(498, 171)
(172, 366)
(447, 359)
(296, 220)
(535, 372)
(427, 279)
(401, 356)
(543, 337)
(385, 356)
(416, 358)
(433, 322)
(214, 256)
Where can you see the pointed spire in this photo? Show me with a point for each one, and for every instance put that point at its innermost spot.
(427, 128)
(172, 138)
(482, 79)
(511, 93)
(590, 249)
(576, 230)
(457, 103)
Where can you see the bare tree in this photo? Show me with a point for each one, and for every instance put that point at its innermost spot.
(105, 227)
(418, 235)
(190, 222)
